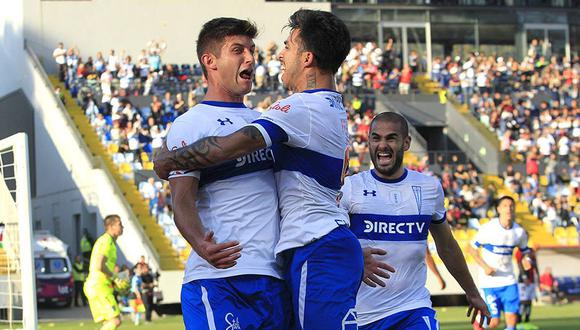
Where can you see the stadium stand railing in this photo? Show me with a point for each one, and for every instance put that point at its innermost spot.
(169, 258)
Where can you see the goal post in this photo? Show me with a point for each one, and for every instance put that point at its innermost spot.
(17, 273)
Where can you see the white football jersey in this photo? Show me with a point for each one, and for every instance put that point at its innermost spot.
(236, 200)
(310, 137)
(394, 215)
(497, 251)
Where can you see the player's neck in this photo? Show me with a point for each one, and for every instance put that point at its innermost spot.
(218, 94)
(397, 175)
(507, 224)
(315, 79)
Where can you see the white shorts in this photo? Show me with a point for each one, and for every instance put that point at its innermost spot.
(527, 291)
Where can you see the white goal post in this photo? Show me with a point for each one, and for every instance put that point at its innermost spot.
(17, 273)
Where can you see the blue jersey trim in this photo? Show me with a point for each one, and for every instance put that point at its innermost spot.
(442, 220)
(326, 170)
(224, 104)
(312, 91)
(256, 161)
(401, 178)
(381, 227)
(275, 132)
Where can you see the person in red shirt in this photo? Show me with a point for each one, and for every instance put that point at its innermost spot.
(548, 285)
(405, 82)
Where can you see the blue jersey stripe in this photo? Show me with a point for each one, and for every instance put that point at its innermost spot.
(326, 170)
(276, 133)
(505, 250)
(256, 161)
(380, 227)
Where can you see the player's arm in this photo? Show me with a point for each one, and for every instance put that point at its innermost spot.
(209, 151)
(433, 268)
(101, 263)
(183, 192)
(474, 252)
(525, 250)
(449, 251)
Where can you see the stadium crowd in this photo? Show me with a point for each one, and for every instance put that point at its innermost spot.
(532, 106)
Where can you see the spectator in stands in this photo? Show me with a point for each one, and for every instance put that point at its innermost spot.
(405, 80)
(59, 57)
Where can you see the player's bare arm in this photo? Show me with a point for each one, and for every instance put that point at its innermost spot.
(184, 191)
(433, 268)
(375, 269)
(209, 151)
(449, 251)
(479, 260)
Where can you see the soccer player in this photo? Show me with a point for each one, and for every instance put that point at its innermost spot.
(498, 238)
(99, 283)
(393, 209)
(324, 263)
(225, 208)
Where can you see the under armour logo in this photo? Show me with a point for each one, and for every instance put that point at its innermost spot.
(224, 121)
(370, 192)
(233, 322)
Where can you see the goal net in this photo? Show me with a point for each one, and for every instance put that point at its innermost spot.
(17, 280)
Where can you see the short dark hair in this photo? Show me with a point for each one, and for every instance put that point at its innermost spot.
(214, 32)
(502, 198)
(323, 34)
(392, 117)
(110, 220)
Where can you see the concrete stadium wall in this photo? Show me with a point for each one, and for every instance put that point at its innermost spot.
(101, 25)
(68, 185)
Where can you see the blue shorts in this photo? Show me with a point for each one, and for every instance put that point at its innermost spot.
(415, 319)
(237, 302)
(504, 298)
(323, 279)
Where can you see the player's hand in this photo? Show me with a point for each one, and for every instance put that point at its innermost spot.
(490, 271)
(478, 307)
(527, 263)
(162, 163)
(442, 283)
(222, 255)
(374, 268)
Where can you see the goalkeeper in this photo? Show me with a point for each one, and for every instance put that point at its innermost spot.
(99, 283)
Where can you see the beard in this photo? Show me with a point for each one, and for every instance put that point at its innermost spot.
(390, 170)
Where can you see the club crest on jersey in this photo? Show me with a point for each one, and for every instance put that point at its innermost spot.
(223, 122)
(370, 193)
(395, 197)
(233, 322)
(418, 197)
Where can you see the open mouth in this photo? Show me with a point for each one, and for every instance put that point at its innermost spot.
(384, 157)
(246, 74)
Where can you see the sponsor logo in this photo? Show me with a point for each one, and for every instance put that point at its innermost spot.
(393, 227)
(370, 193)
(223, 122)
(255, 157)
(279, 107)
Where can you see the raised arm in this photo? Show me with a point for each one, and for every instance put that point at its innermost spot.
(209, 151)
(449, 251)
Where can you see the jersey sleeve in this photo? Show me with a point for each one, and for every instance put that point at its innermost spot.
(181, 134)
(439, 212)
(523, 244)
(346, 195)
(479, 238)
(287, 121)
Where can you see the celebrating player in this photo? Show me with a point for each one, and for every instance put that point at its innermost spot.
(498, 238)
(324, 259)
(99, 283)
(393, 209)
(222, 209)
